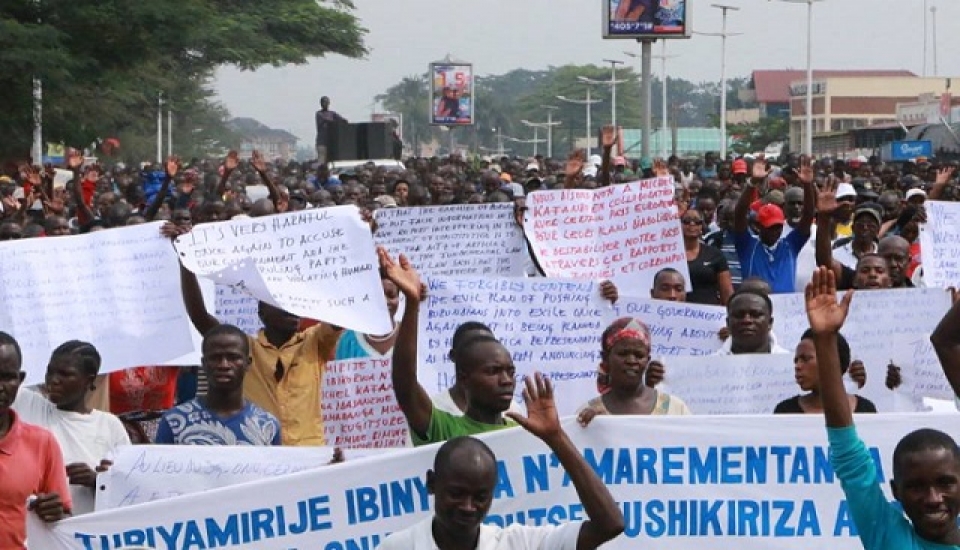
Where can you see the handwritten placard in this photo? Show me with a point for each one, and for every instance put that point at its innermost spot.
(359, 406)
(624, 233)
(878, 319)
(147, 473)
(236, 307)
(552, 326)
(940, 244)
(677, 329)
(920, 368)
(320, 264)
(464, 240)
(117, 289)
(732, 384)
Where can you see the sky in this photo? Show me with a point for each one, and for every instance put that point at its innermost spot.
(498, 36)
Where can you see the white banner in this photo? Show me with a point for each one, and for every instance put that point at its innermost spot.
(319, 264)
(878, 320)
(624, 233)
(940, 244)
(731, 384)
(236, 307)
(117, 289)
(461, 240)
(359, 406)
(147, 473)
(702, 481)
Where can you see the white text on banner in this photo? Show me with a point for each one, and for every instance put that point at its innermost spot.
(110, 288)
(677, 479)
(319, 264)
(877, 319)
(625, 233)
(940, 244)
(549, 325)
(359, 406)
(455, 241)
(147, 473)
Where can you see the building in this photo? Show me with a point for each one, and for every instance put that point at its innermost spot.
(845, 103)
(273, 144)
(770, 89)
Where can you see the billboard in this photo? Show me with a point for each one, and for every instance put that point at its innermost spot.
(646, 19)
(905, 151)
(451, 94)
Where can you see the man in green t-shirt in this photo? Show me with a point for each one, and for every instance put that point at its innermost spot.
(483, 366)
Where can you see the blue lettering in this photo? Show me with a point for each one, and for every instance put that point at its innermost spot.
(535, 474)
(672, 467)
(646, 466)
(785, 507)
(169, 537)
(261, 523)
(85, 539)
(504, 487)
(808, 520)
(730, 464)
(800, 473)
(318, 512)
(301, 527)
(748, 514)
(703, 470)
(710, 515)
(192, 536)
(227, 535)
(603, 467)
(677, 518)
(656, 526)
(844, 521)
(756, 465)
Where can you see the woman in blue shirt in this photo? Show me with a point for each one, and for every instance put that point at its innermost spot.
(356, 345)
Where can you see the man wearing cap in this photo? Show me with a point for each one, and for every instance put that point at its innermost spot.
(765, 254)
(846, 199)
(866, 230)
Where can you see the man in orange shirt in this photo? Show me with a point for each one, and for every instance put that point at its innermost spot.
(31, 464)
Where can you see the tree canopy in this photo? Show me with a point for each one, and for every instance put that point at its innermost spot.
(104, 62)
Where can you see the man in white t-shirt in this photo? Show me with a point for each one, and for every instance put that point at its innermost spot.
(463, 479)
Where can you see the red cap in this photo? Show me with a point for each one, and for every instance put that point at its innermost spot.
(770, 215)
(739, 166)
(756, 205)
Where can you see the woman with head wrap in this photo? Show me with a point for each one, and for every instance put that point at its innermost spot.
(624, 357)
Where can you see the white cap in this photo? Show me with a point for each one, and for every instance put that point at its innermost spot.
(916, 193)
(590, 171)
(533, 166)
(846, 190)
(596, 160)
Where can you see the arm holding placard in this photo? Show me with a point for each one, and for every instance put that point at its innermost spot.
(413, 400)
(946, 343)
(190, 288)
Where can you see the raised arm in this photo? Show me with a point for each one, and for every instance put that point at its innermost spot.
(606, 521)
(809, 196)
(412, 398)
(172, 166)
(229, 165)
(608, 135)
(946, 342)
(573, 172)
(826, 206)
(741, 212)
(826, 318)
(940, 184)
(74, 162)
(190, 288)
(260, 165)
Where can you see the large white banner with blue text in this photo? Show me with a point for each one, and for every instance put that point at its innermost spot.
(724, 483)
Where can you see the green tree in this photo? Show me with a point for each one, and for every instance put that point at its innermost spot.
(103, 62)
(754, 137)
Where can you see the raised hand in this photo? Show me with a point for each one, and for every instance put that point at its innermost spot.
(231, 162)
(825, 314)
(827, 197)
(74, 159)
(258, 162)
(542, 419)
(944, 175)
(575, 163)
(806, 174)
(760, 169)
(660, 168)
(401, 273)
(172, 166)
(171, 230)
(608, 136)
(609, 292)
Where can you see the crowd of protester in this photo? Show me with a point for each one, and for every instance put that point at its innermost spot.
(751, 227)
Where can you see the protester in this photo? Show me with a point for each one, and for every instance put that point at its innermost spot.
(463, 482)
(625, 355)
(669, 285)
(750, 323)
(223, 416)
(807, 376)
(926, 462)
(483, 366)
(86, 436)
(31, 464)
(766, 255)
(325, 119)
(287, 366)
(354, 345)
(709, 273)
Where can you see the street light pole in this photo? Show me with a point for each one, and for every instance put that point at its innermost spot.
(808, 138)
(663, 115)
(587, 103)
(613, 90)
(933, 24)
(549, 124)
(723, 77)
(926, 27)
